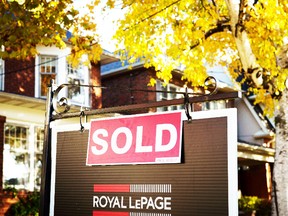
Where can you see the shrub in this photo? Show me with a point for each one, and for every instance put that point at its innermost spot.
(28, 205)
(248, 204)
(10, 191)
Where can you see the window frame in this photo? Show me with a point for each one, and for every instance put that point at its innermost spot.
(214, 105)
(169, 96)
(40, 73)
(2, 74)
(61, 74)
(30, 183)
(84, 91)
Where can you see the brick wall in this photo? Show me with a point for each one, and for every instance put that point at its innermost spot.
(2, 122)
(118, 92)
(20, 76)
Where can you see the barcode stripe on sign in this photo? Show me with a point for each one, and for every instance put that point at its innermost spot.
(133, 188)
(108, 213)
(150, 188)
(148, 214)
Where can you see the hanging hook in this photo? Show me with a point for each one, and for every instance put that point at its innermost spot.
(82, 128)
(63, 102)
(186, 105)
(210, 84)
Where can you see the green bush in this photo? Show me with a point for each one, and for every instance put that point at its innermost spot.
(10, 191)
(28, 205)
(248, 204)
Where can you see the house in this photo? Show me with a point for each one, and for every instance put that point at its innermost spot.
(22, 113)
(255, 131)
(23, 90)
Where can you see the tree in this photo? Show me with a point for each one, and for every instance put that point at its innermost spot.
(246, 36)
(26, 24)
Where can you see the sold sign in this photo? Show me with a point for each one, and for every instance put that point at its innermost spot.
(139, 139)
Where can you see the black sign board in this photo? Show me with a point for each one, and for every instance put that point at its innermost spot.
(204, 183)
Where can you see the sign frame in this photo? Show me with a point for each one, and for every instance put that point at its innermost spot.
(231, 115)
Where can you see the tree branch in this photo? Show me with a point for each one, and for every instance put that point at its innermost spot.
(282, 59)
(220, 27)
(157, 12)
(154, 14)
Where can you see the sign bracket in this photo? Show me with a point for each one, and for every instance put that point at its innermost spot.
(59, 109)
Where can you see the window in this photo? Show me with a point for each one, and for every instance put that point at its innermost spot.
(22, 156)
(48, 71)
(38, 141)
(213, 105)
(1, 75)
(168, 94)
(51, 66)
(76, 76)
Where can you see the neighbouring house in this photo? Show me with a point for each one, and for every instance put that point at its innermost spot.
(126, 85)
(23, 91)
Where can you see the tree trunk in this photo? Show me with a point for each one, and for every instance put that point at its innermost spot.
(280, 173)
(247, 57)
(248, 60)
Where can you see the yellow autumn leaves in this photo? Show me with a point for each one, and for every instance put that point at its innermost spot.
(166, 34)
(169, 35)
(193, 34)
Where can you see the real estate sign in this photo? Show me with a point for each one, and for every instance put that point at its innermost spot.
(140, 139)
(147, 165)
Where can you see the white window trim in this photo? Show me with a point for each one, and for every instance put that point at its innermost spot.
(37, 78)
(40, 73)
(61, 72)
(31, 149)
(2, 75)
(214, 105)
(170, 85)
(86, 101)
(60, 54)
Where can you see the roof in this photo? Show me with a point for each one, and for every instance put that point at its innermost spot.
(108, 58)
(22, 101)
(117, 66)
(26, 101)
(114, 68)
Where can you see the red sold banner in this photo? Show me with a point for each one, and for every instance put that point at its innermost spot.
(140, 139)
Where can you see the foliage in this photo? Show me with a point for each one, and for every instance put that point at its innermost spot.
(249, 204)
(26, 24)
(10, 191)
(171, 34)
(28, 205)
(164, 34)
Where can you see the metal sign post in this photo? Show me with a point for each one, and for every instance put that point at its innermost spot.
(53, 113)
(46, 158)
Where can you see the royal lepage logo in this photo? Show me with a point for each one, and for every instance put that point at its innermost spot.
(111, 204)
